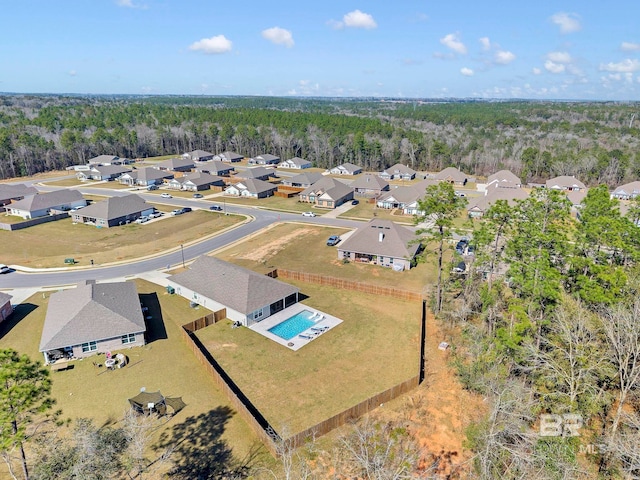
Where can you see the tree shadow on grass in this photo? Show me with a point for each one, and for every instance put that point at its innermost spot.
(20, 312)
(155, 324)
(199, 452)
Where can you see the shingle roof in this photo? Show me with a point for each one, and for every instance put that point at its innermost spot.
(631, 189)
(254, 172)
(495, 194)
(4, 298)
(399, 168)
(91, 312)
(175, 163)
(103, 159)
(409, 193)
(349, 167)
(115, 207)
(257, 186)
(201, 178)
(110, 169)
(198, 154)
(306, 178)
(149, 173)
(451, 173)
(565, 182)
(330, 186)
(298, 161)
(397, 241)
(267, 157)
(370, 181)
(230, 156)
(47, 200)
(8, 191)
(504, 176)
(236, 287)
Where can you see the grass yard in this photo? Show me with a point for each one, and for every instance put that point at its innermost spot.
(289, 246)
(165, 364)
(366, 211)
(47, 245)
(274, 203)
(376, 347)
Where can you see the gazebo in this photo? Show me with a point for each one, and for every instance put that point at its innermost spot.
(154, 402)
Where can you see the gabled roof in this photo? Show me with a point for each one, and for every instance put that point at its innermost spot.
(298, 161)
(349, 167)
(330, 186)
(219, 166)
(103, 159)
(628, 189)
(173, 163)
(451, 174)
(91, 312)
(254, 172)
(504, 176)
(564, 182)
(115, 207)
(255, 186)
(306, 178)
(576, 196)
(230, 156)
(148, 173)
(399, 169)
(382, 237)
(200, 178)
(494, 194)
(8, 191)
(409, 193)
(110, 169)
(4, 298)
(236, 287)
(47, 200)
(267, 157)
(370, 181)
(198, 154)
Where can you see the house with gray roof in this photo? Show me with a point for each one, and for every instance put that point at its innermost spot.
(176, 165)
(216, 167)
(43, 204)
(565, 183)
(104, 160)
(256, 173)
(10, 192)
(6, 308)
(265, 159)
(453, 176)
(295, 163)
(381, 242)
(504, 179)
(231, 157)
(113, 211)
(478, 206)
(346, 169)
(398, 172)
(247, 296)
(102, 172)
(251, 188)
(327, 192)
(627, 191)
(198, 156)
(92, 318)
(145, 176)
(302, 180)
(196, 181)
(405, 197)
(369, 185)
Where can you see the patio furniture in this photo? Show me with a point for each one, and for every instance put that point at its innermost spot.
(110, 363)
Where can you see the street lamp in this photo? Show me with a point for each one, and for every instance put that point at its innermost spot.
(182, 251)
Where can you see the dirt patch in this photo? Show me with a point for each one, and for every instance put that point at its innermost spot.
(212, 346)
(266, 251)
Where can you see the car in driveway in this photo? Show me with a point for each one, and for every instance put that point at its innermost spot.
(215, 208)
(143, 219)
(156, 215)
(355, 202)
(198, 195)
(333, 240)
(4, 268)
(308, 214)
(166, 195)
(177, 211)
(153, 187)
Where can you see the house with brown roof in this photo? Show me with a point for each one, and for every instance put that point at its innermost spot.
(92, 318)
(381, 242)
(183, 164)
(248, 297)
(504, 179)
(43, 204)
(145, 176)
(398, 172)
(251, 188)
(627, 191)
(6, 308)
(231, 157)
(346, 169)
(405, 197)
(327, 192)
(565, 183)
(453, 176)
(369, 185)
(479, 205)
(113, 211)
(196, 181)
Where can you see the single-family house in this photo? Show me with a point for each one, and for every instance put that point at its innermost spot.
(504, 179)
(216, 167)
(627, 191)
(102, 172)
(176, 165)
(302, 180)
(453, 176)
(255, 173)
(231, 157)
(196, 181)
(369, 185)
(327, 192)
(198, 156)
(145, 177)
(405, 197)
(398, 172)
(248, 297)
(295, 163)
(6, 308)
(346, 169)
(113, 211)
(381, 242)
(12, 192)
(92, 318)
(251, 188)
(478, 206)
(576, 197)
(42, 204)
(265, 159)
(104, 160)
(565, 183)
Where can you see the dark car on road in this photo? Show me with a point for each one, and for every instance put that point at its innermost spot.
(215, 208)
(333, 240)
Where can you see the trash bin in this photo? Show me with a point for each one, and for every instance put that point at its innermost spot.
(70, 260)
(170, 289)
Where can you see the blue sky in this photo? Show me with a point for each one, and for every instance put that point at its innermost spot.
(586, 49)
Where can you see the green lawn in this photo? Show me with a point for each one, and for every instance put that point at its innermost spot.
(366, 211)
(273, 203)
(47, 245)
(376, 347)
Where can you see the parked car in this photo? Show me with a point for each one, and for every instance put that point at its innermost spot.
(152, 187)
(308, 214)
(198, 195)
(4, 268)
(460, 267)
(177, 211)
(187, 210)
(215, 208)
(143, 219)
(470, 249)
(166, 195)
(156, 214)
(333, 240)
(355, 202)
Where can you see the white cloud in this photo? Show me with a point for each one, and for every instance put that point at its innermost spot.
(467, 72)
(453, 42)
(536, 71)
(279, 36)
(217, 44)
(355, 19)
(568, 22)
(486, 43)
(627, 65)
(504, 57)
(554, 67)
(72, 73)
(559, 57)
(130, 4)
(630, 47)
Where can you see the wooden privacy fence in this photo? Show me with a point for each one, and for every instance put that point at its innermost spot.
(205, 321)
(345, 284)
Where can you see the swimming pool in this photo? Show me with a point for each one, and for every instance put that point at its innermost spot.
(293, 326)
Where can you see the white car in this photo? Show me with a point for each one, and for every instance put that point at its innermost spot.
(4, 268)
(177, 211)
(166, 195)
(308, 214)
(143, 219)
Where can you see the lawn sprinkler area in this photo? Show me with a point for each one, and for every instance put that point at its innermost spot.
(296, 326)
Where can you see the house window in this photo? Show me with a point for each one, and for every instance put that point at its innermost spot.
(89, 347)
(129, 338)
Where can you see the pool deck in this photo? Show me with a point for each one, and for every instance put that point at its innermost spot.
(296, 342)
